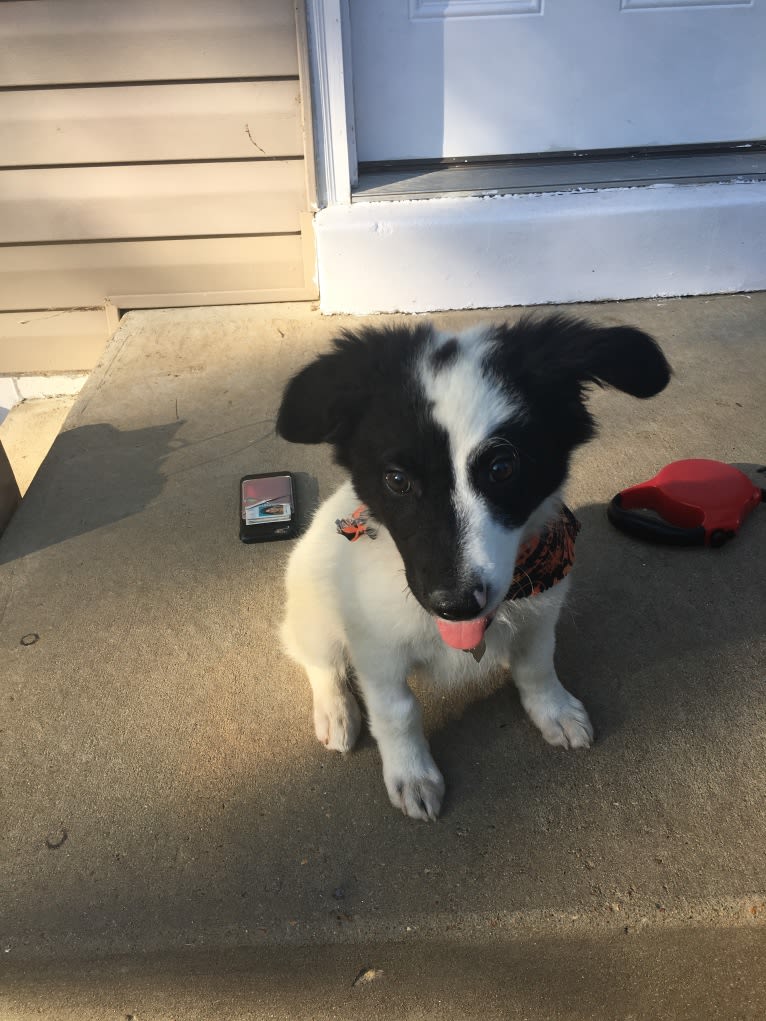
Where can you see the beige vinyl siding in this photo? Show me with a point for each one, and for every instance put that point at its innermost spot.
(157, 200)
(86, 274)
(138, 168)
(65, 340)
(209, 121)
(58, 42)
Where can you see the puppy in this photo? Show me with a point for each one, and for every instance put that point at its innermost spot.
(448, 550)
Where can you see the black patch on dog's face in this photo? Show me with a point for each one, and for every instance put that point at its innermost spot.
(365, 398)
(396, 432)
(548, 364)
(512, 500)
(444, 355)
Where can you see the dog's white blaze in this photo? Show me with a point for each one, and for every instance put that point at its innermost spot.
(469, 405)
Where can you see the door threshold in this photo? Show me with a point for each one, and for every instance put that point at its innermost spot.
(519, 176)
(587, 244)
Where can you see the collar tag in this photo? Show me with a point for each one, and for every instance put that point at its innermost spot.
(356, 525)
(479, 650)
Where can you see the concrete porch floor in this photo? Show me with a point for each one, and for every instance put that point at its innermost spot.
(177, 844)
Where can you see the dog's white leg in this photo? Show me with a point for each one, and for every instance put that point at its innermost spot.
(561, 718)
(412, 778)
(336, 712)
(312, 640)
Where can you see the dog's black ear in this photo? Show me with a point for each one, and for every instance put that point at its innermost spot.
(563, 350)
(323, 401)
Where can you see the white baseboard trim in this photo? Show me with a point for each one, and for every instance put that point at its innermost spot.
(616, 243)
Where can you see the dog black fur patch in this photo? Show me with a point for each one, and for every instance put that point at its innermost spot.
(444, 355)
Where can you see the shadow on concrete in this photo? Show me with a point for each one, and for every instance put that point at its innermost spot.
(684, 975)
(70, 499)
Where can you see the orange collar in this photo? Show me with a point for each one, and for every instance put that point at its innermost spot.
(547, 558)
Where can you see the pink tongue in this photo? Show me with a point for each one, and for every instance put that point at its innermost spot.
(462, 634)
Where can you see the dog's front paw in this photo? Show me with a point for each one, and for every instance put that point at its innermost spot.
(337, 720)
(418, 791)
(561, 718)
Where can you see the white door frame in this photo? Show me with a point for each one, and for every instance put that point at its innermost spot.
(333, 113)
(478, 252)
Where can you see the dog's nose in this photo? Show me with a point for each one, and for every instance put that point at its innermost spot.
(462, 604)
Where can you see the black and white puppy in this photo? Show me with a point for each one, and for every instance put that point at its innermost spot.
(457, 448)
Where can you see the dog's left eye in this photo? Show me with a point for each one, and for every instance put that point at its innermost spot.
(501, 468)
(398, 481)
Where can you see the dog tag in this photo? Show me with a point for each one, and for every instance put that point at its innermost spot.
(478, 651)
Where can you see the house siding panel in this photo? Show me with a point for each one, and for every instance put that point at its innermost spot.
(138, 123)
(64, 340)
(89, 274)
(137, 166)
(56, 42)
(156, 200)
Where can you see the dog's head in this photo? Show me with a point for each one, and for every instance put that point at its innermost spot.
(453, 442)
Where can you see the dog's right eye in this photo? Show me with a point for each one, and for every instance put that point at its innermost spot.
(501, 469)
(398, 481)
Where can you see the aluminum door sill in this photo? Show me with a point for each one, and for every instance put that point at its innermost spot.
(746, 162)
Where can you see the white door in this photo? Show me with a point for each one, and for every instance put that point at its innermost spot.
(465, 78)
